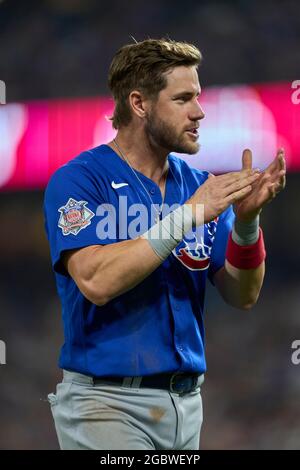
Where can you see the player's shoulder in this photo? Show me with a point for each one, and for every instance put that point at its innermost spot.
(86, 167)
(186, 171)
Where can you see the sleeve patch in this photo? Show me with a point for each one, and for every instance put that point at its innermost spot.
(74, 216)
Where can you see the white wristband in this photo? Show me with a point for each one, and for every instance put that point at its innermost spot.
(245, 233)
(165, 235)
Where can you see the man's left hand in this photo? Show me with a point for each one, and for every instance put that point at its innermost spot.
(264, 189)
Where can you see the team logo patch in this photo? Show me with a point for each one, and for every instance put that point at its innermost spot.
(194, 251)
(74, 216)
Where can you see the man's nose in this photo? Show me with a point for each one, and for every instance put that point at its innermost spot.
(202, 113)
(198, 112)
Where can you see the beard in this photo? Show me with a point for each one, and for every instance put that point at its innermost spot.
(163, 134)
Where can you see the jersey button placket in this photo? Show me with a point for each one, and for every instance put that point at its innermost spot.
(176, 308)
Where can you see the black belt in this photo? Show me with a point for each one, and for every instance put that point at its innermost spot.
(177, 382)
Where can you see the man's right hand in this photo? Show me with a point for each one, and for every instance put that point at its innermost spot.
(219, 192)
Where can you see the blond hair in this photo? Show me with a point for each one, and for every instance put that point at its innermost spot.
(142, 66)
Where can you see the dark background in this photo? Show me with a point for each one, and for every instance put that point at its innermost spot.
(59, 48)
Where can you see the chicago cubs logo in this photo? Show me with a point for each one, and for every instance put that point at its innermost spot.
(74, 216)
(195, 249)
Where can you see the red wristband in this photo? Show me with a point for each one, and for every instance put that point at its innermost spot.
(246, 257)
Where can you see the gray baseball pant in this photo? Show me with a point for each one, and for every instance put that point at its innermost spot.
(111, 417)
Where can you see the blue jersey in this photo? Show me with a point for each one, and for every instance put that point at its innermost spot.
(157, 326)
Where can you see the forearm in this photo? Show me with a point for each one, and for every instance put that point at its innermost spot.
(240, 288)
(240, 280)
(124, 265)
(105, 272)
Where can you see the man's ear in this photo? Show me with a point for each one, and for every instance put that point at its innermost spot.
(138, 103)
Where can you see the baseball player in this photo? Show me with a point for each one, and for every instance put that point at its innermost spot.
(134, 234)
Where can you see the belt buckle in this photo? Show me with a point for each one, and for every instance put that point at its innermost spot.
(184, 390)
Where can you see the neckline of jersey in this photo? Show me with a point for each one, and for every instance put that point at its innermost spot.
(108, 149)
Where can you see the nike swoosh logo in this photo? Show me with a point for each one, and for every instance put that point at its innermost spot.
(118, 185)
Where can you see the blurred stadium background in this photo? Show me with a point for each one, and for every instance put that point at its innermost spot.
(54, 59)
